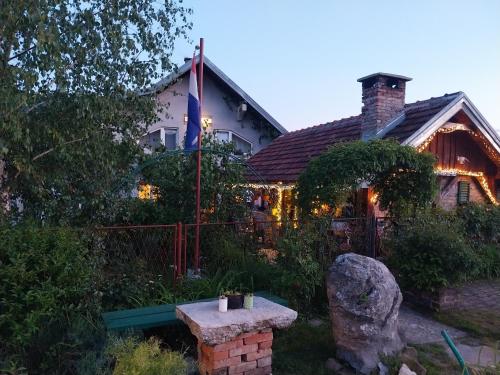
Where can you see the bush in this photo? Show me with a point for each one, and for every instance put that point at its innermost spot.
(481, 222)
(430, 252)
(297, 267)
(45, 282)
(146, 358)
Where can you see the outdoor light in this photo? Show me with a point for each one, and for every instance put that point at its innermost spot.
(206, 121)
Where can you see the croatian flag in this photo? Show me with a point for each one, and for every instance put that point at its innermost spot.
(193, 125)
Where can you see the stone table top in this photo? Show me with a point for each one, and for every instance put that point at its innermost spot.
(213, 327)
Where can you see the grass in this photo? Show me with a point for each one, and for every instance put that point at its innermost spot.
(483, 324)
(436, 360)
(303, 349)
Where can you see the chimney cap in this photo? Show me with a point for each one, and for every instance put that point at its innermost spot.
(396, 76)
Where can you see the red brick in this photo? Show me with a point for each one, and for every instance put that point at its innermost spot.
(244, 335)
(266, 344)
(256, 355)
(264, 362)
(259, 337)
(212, 355)
(228, 345)
(228, 362)
(242, 367)
(260, 371)
(243, 350)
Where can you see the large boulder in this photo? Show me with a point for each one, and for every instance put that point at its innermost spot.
(364, 303)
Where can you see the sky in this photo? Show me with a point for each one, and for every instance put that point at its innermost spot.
(300, 59)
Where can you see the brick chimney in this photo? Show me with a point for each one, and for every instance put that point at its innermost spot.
(383, 99)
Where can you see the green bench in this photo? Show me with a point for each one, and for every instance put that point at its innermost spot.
(158, 316)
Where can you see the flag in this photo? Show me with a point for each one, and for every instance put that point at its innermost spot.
(193, 124)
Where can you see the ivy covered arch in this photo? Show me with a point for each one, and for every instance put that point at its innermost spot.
(399, 175)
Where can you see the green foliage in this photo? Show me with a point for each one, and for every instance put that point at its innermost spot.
(303, 349)
(72, 80)
(172, 174)
(401, 176)
(436, 249)
(45, 282)
(429, 253)
(298, 267)
(481, 222)
(146, 358)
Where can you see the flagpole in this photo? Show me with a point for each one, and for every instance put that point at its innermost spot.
(198, 167)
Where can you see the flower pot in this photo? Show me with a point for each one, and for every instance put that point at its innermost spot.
(248, 301)
(222, 304)
(234, 301)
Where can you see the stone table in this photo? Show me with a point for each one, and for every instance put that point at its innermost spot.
(237, 341)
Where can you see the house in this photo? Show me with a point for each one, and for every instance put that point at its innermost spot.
(229, 113)
(467, 148)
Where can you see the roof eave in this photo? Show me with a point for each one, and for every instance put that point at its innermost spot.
(165, 82)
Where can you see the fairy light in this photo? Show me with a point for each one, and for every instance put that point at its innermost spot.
(460, 127)
(478, 175)
(280, 188)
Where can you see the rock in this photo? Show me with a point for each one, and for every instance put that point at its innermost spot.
(364, 302)
(382, 369)
(409, 356)
(333, 365)
(404, 370)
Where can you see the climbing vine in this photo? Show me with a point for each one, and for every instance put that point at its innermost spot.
(399, 175)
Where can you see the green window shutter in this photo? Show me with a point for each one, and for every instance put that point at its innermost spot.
(463, 192)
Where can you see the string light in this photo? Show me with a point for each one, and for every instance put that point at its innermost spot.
(280, 188)
(460, 127)
(478, 175)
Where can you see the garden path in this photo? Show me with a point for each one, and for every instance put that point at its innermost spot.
(420, 329)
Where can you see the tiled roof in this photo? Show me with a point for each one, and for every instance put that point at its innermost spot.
(287, 156)
(417, 114)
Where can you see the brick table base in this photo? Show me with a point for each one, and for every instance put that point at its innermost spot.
(247, 354)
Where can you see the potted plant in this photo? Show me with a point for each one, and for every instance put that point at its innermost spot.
(248, 299)
(222, 303)
(234, 299)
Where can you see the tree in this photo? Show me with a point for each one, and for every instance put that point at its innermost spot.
(74, 76)
(401, 176)
(172, 178)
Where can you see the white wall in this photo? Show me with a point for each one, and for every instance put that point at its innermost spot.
(174, 101)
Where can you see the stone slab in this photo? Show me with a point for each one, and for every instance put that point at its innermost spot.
(213, 327)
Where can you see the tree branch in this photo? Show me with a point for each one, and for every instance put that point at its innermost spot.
(53, 148)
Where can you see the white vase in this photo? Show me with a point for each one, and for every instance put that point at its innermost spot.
(223, 304)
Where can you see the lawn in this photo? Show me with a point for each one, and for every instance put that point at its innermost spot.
(303, 349)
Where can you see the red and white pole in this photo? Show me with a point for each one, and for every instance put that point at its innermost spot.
(198, 167)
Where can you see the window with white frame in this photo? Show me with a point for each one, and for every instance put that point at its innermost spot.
(241, 145)
(167, 137)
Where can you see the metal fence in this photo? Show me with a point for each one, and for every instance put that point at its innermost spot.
(167, 251)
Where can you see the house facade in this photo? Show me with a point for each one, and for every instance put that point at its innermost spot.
(229, 113)
(466, 146)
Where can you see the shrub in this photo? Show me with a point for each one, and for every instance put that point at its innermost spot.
(430, 252)
(146, 358)
(297, 268)
(481, 222)
(45, 281)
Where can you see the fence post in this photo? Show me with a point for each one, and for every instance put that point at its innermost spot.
(178, 248)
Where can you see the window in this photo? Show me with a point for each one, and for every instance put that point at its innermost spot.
(463, 194)
(241, 145)
(161, 137)
(170, 139)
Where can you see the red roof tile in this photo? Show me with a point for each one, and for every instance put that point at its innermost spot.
(288, 155)
(417, 114)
